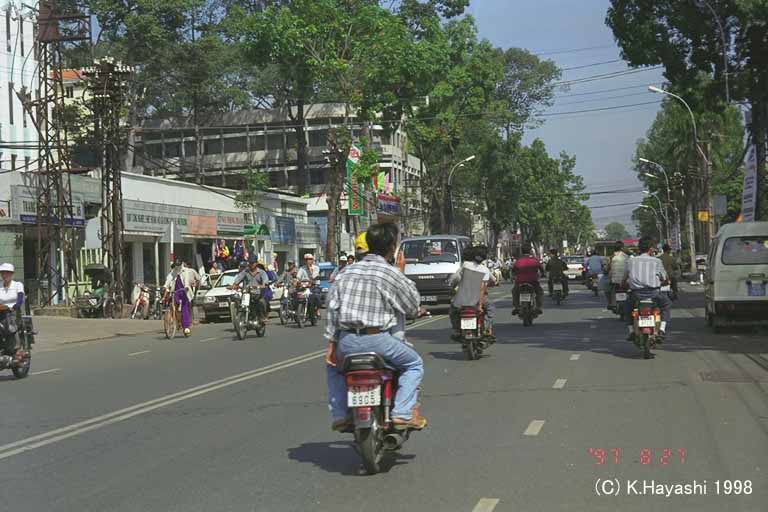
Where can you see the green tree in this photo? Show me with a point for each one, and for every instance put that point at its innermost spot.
(685, 37)
(616, 231)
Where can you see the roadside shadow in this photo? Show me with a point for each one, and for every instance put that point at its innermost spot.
(341, 457)
(451, 356)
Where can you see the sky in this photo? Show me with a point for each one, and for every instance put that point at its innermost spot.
(573, 34)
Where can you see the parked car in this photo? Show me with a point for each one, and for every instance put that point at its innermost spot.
(575, 268)
(736, 283)
(326, 269)
(216, 300)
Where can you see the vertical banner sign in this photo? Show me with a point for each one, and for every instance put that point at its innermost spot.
(355, 206)
(749, 195)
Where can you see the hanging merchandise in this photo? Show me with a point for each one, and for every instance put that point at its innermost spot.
(216, 250)
(224, 250)
(239, 250)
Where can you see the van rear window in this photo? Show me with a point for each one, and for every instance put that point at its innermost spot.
(746, 250)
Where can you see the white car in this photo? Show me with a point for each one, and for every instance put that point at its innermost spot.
(216, 300)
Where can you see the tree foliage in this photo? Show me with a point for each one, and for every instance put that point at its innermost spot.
(616, 231)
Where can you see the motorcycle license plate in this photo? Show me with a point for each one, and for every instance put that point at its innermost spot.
(558, 288)
(246, 300)
(525, 297)
(666, 288)
(428, 298)
(469, 324)
(621, 297)
(363, 396)
(646, 321)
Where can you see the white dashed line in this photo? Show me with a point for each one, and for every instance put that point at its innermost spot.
(534, 428)
(486, 505)
(139, 353)
(575, 357)
(41, 372)
(559, 384)
(206, 340)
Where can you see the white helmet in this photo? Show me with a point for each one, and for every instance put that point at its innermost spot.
(7, 267)
(309, 256)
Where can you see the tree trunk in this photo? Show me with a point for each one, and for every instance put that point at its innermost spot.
(691, 235)
(759, 126)
(304, 180)
(332, 198)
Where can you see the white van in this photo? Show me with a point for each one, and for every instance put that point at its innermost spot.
(430, 261)
(737, 276)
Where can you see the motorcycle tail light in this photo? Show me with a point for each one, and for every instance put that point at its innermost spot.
(468, 312)
(362, 413)
(646, 312)
(363, 378)
(635, 313)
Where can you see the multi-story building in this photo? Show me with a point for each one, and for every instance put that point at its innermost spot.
(266, 140)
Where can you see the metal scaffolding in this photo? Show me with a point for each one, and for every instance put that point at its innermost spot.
(55, 212)
(107, 82)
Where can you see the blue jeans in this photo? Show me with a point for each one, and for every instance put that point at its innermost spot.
(395, 352)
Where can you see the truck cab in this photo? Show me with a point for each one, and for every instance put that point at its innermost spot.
(430, 261)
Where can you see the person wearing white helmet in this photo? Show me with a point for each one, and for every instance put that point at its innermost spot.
(310, 272)
(11, 299)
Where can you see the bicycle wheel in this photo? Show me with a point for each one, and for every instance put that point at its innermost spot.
(170, 323)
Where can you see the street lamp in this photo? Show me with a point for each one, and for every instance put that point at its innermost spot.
(662, 209)
(659, 90)
(655, 216)
(675, 210)
(450, 188)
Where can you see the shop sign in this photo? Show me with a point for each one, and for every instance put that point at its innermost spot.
(230, 222)
(25, 208)
(283, 230)
(155, 218)
(388, 205)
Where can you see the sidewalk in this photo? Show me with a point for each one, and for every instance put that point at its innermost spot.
(56, 331)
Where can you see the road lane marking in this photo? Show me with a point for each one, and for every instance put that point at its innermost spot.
(42, 372)
(139, 352)
(559, 384)
(206, 340)
(486, 505)
(425, 322)
(575, 357)
(534, 428)
(59, 434)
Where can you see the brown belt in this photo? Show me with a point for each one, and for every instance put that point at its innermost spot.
(369, 331)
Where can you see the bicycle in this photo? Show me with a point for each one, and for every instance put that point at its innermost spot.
(171, 316)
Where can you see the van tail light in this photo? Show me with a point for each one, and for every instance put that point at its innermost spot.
(364, 378)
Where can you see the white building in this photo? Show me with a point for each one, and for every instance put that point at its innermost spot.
(18, 68)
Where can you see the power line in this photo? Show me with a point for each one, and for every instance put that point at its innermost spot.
(605, 98)
(599, 109)
(574, 50)
(605, 76)
(644, 86)
(592, 65)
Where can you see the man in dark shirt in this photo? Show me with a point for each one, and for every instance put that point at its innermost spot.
(527, 270)
(556, 268)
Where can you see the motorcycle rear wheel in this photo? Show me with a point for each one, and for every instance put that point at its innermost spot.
(471, 350)
(370, 447)
(23, 370)
(300, 312)
(645, 343)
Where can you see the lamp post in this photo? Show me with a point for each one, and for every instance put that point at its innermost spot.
(655, 216)
(710, 223)
(450, 190)
(676, 212)
(662, 210)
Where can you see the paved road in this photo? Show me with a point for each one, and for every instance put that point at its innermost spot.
(213, 424)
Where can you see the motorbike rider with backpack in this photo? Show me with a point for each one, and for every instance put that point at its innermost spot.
(364, 304)
(527, 270)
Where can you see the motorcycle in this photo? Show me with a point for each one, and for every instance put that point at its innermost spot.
(473, 336)
(620, 297)
(496, 276)
(592, 281)
(141, 307)
(527, 310)
(371, 386)
(558, 294)
(303, 309)
(646, 325)
(246, 317)
(18, 361)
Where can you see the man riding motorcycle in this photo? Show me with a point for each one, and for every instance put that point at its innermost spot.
(556, 268)
(473, 257)
(645, 275)
(309, 272)
(672, 267)
(364, 304)
(617, 266)
(593, 265)
(254, 277)
(11, 300)
(527, 270)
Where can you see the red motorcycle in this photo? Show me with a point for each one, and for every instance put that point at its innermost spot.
(473, 336)
(371, 385)
(647, 324)
(142, 304)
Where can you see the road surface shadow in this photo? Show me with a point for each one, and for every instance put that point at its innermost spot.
(341, 457)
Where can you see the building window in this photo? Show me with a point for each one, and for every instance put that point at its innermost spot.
(10, 102)
(70, 91)
(13, 162)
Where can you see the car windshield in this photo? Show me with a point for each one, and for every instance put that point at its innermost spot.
(225, 280)
(436, 250)
(746, 250)
(575, 260)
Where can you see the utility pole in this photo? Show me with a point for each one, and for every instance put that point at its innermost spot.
(107, 81)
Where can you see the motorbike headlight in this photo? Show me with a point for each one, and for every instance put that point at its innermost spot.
(94, 302)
